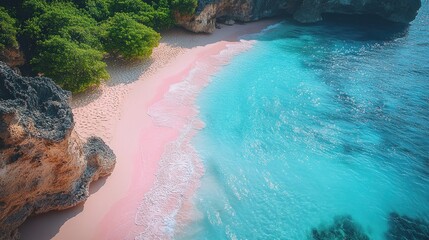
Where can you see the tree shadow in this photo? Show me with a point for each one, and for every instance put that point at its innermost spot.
(126, 71)
(84, 98)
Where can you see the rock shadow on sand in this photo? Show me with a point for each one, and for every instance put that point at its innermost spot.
(53, 219)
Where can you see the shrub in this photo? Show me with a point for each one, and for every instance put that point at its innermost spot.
(184, 6)
(66, 39)
(8, 30)
(71, 66)
(98, 9)
(126, 37)
(65, 20)
(156, 16)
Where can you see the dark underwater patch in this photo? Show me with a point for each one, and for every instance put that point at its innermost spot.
(404, 227)
(343, 228)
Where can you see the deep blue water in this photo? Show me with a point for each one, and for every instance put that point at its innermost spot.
(319, 131)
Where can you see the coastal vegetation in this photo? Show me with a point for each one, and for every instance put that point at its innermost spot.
(68, 40)
(8, 30)
(129, 38)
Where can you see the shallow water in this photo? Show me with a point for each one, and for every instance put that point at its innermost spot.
(316, 123)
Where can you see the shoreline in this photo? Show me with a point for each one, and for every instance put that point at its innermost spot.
(138, 141)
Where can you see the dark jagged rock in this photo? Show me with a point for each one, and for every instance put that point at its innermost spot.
(343, 227)
(42, 106)
(305, 11)
(404, 227)
(44, 165)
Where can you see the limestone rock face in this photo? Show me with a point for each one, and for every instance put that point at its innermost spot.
(305, 11)
(44, 165)
(238, 10)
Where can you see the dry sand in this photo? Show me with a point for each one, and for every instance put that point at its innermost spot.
(118, 112)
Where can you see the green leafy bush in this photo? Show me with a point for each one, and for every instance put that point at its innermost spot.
(65, 20)
(163, 19)
(67, 39)
(73, 67)
(184, 6)
(98, 9)
(156, 16)
(131, 6)
(126, 37)
(8, 30)
(32, 8)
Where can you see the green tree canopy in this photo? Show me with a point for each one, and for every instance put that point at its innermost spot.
(184, 6)
(67, 39)
(8, 30)
(73, 67)
(32, 8)
(155, 16)
(126, 37)
(65, 20)
(99, 9)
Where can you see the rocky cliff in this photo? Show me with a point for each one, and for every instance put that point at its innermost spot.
(44, 165)
(402, 11)
(305, 11)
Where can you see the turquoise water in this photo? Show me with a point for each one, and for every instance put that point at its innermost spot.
(317, 124)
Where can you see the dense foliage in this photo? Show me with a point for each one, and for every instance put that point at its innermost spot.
(184, 6)
(8, 30)
(65, 20)
(67, 40)
(81, 68)
(128, 38)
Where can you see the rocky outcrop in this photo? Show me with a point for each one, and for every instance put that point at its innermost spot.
(13, 57)
(305, 11)
(238, 10)
(402, 11)
(44, 165)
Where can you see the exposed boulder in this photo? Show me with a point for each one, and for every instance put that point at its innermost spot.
(44, 165)
(305, 11)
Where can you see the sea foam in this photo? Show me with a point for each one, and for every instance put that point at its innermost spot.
(166, 208)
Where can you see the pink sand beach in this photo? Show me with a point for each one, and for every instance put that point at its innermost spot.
(146, 112)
